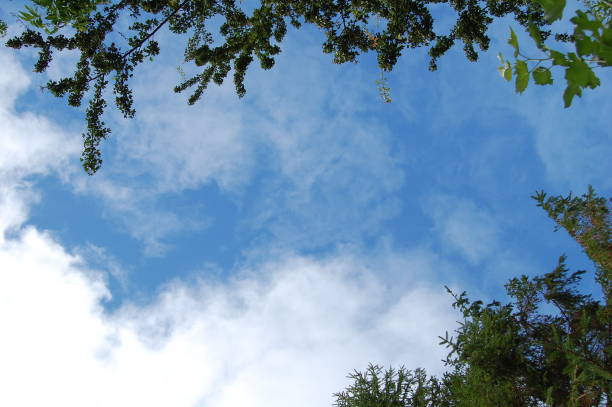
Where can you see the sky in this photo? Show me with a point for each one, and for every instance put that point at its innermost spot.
(257, 250)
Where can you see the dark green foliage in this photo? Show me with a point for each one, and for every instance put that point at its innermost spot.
(587, 220)
(516, 355)
(392, 388)
(60, 13)
(243, 36)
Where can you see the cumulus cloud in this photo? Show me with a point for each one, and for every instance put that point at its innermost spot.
(293, 327)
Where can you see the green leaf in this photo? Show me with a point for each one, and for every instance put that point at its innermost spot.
(570, 92)
(585, 46)
(513, 40)
(32, 10)
(522, 76)
(605, 54)
(578, 73)
(534, 33)
(582, 22)
(542, 76)
(553, 9)
(508, 72)
(559, 58)
(500, 57)
(606, 36)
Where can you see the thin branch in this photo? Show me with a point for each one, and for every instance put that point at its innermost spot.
(148, 37)
(152, 33)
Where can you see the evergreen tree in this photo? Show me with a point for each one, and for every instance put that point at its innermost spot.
(513, 354)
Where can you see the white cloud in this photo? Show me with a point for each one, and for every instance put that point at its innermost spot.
(31, 145)
(288, 328)
(179, 146)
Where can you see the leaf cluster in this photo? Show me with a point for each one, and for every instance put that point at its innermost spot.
(59, 13)
(244, 35)
(592, 38)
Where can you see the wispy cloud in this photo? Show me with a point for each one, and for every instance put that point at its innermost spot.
(463, 227)
(299, 159)
(469, 101)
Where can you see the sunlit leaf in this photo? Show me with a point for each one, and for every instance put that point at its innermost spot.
(571, 91)
(513, 40)
(522, 76)
(553, 9)
(542, 76)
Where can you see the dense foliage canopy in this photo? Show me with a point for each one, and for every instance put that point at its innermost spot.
(515, 354)
(225, 35)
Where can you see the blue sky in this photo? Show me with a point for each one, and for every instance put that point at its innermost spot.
(245, 249)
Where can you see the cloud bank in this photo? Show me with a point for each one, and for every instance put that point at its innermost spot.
(284, 330)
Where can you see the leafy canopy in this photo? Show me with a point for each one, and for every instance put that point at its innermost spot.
(351, 28)
(514, 355)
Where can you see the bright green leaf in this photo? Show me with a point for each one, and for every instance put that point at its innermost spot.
(570, 92)
(582, 22)
(513, 40)
(559, 58)
(522, 76)
(578, 73)
(585, 46)
(508, 72)
(542, 76)
(31, 10)
(553, 9)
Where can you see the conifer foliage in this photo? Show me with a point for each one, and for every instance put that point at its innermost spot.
(224, 35)
(514, 355)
